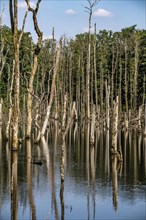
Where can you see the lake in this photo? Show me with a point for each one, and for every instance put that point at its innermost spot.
(76, 180)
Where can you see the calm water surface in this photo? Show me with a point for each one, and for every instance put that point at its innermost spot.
(76, 180)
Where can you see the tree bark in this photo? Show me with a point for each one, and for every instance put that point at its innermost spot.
(107, 105)
(10, 104)
(15, 113)
(115, 127)
(56, 68)
(34, 66)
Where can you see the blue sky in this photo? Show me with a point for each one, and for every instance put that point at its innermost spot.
(69, 16)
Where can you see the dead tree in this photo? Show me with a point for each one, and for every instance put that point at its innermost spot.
(107, 105)
(10, 104)
(34, 66)
(89, 10)
(56, 68)
(13, 7)
(115, 127)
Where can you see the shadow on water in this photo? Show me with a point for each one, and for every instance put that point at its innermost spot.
(76, 179)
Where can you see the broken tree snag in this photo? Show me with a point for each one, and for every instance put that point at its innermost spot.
(115, 127)
(56, 68)
(64, 113)
(92, 136)
(107, 105)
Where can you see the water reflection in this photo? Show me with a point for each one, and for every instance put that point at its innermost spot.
(29, 180)
(14, 187)
(76, 179)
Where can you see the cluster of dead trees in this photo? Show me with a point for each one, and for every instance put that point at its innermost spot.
(93, 79)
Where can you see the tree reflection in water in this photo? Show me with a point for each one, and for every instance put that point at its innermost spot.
(82, 178)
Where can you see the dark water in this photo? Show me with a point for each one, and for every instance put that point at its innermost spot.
(76, 180)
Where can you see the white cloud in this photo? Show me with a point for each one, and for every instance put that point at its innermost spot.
(23, 4)
(102, 13)
(70, 12)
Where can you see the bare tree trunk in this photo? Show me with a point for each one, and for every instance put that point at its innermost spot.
(107, 105)
(56, 68)
(29, 98)
(15, 126)
(89, 10)
(69, 120)
(10, 104)
(64, 113)
(13, 7)
(34, 67)
(135, 72)
(101, 87)
(88, 71)
(120, 83)
(1, 102)
(126, 59)
(115, 127)
(95, 69)
(92, 136)
(139, 120)
(145, 119)
(62, 174)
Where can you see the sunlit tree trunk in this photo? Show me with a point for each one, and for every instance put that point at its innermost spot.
(62, 175)
(115, 126)
(56, 68)
(10, 104)
(136, 71)
(126, 60)
(107, 105)
(34, 67)
(13, 7)
(90, 11)
(88, 70)
(1, 104)
(95, 70)
(14, 27)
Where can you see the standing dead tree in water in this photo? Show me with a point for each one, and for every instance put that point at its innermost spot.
(107, 105)
(116, 152)
(56, 68)
(90, 11)
(115, 127)
(13, 7)
(10, 104)
(34, 66)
